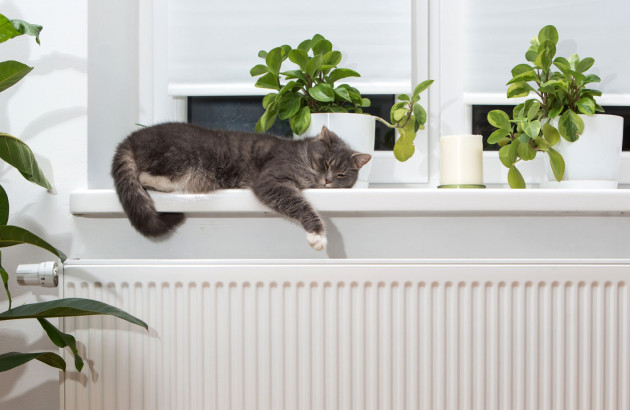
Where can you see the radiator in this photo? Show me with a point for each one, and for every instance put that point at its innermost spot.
(352, 335)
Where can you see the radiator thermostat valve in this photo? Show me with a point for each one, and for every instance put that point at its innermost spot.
(45, 274)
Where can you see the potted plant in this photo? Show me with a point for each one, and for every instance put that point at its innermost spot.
(556, 118)
(18, 154)
(308, 96)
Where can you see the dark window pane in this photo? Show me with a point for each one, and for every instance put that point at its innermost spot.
(242, 112)
(481, 126)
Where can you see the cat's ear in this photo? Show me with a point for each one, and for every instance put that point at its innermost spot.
(325, 136)
(361, 159)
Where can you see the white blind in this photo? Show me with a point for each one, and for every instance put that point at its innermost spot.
(213, 44)
(498, 34)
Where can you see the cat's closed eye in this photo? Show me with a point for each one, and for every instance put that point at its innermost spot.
(341, 175)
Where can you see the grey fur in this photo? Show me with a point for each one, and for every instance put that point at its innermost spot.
(198, 160)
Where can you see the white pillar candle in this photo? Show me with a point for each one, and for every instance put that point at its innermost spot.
(461, 160)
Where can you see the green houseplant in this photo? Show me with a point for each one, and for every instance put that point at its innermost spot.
(18, 154)
(311, 88)
(560, 89)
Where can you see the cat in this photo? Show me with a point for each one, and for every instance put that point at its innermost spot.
(188, 158)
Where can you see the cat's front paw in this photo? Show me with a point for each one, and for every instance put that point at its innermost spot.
(317, 241)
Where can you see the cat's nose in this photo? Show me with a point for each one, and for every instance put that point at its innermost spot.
(328, 181)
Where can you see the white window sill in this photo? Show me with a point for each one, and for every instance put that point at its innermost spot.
(378, 200)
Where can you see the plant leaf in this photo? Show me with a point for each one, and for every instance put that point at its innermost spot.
(570, 126)
(548, 33)
(586, 106)
(524, 77)
(14, 235)
(557, 163)
(343, 94)
(288, 105)
(322, 92)
(258, 69)
(322, 46)
(11, 72)
(420, 114)
(27, 28)
(551, 134)
(532, 129)
(515, 179)
(68, 307)
(266, 120)
(300, 121)
(339, 73)
(421, 87)
(499, 119)
(521, 68)
(520, 89)
(299, 57)
(497, 135)
(313, 65)
(14, 359)
(268, 80)
(584, 65)
(62, 340)
(525, 150)
(331, 58)
(17, 153)
(5, 280)
(274, 60)
(4, 206)
(507, 154)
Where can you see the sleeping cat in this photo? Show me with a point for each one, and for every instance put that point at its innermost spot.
(183, 157)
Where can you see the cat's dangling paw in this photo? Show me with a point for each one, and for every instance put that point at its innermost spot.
(317, 241)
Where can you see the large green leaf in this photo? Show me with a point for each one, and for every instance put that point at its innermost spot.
(14, 359)
(27, 28)
(11, 72)
(339, 73)
(68, 307)
(499, 119)
(62, 340)
(515, 179)
(299, 122)
(289, 105)
(570, 126)
(4, 275)
(7, 29)
(557, 163)
(18, 154)
(14, 235)
(551, 134)
(268, 80)
(322, 92)
(4, 206)
(421, 87)
(274, 60)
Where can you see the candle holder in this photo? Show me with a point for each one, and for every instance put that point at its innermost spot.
(461, 162)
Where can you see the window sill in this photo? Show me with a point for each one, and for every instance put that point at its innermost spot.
(104, 202)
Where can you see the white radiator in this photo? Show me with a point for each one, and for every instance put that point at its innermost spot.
(352, 335)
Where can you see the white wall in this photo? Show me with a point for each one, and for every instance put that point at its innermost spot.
(48, 110)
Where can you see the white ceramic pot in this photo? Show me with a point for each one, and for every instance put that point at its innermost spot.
(592, 162)
(357, 130)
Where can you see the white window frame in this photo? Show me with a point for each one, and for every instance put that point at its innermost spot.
(158, 105)
(455, 105)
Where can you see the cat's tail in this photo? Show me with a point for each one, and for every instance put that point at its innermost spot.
(135, 200)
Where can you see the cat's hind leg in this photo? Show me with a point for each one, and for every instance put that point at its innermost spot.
(157, 182)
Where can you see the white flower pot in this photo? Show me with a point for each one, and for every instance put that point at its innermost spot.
(357, 130)
(591, 162)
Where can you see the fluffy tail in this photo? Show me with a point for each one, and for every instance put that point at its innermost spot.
(135, 200)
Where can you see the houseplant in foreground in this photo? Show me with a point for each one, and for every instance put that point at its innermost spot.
(310, 88)
(555, 115)
(18, 154)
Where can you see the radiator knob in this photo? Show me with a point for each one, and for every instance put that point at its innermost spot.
(45, 274)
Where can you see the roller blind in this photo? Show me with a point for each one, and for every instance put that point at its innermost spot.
(213, 44)
(498, 34)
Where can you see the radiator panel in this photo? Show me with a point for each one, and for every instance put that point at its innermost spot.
(353, 336)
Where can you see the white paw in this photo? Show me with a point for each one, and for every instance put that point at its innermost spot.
(317, 241)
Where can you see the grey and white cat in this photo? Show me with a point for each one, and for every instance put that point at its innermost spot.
(183, 157)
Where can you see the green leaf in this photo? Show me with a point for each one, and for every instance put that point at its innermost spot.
(62, 340)
(533, 110)
(420, 114)
(499, 119)
(497, 135)
(591, 78)
(269, 99)
(7, 29)
(555, 111)
(305, 45)
(14, 235)
(551, 134)
(562, 64)
(548, 33)
(532, 129)
(507, 154)
(313, 65)
(18, 154)
(531, 54)
(557, 163)
(521, 68)
(286, 49)
(300, 122)
(322, 92)
(517, 90)
(295, 74)
(546, 52)
(266, 120)
(584, 65)
(586, 106)
(399, 114)
(421, 87)
(322, 46)
(11, 72)
(26, 28)
(404, 148)
(570, 126)
(289, 105)
(274, 61)
(365, 102)
(68, 307)
(525, 150)
(262, 54)
(404, 97)
(268, 80)
(343, 94)
(258, 69)
(299, 57)
(331, 58)
(515, 179)
(14, 359)
(525, 76)
(339, 73)
(4, 206)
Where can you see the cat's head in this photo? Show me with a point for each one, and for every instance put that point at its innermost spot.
(336, 164)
